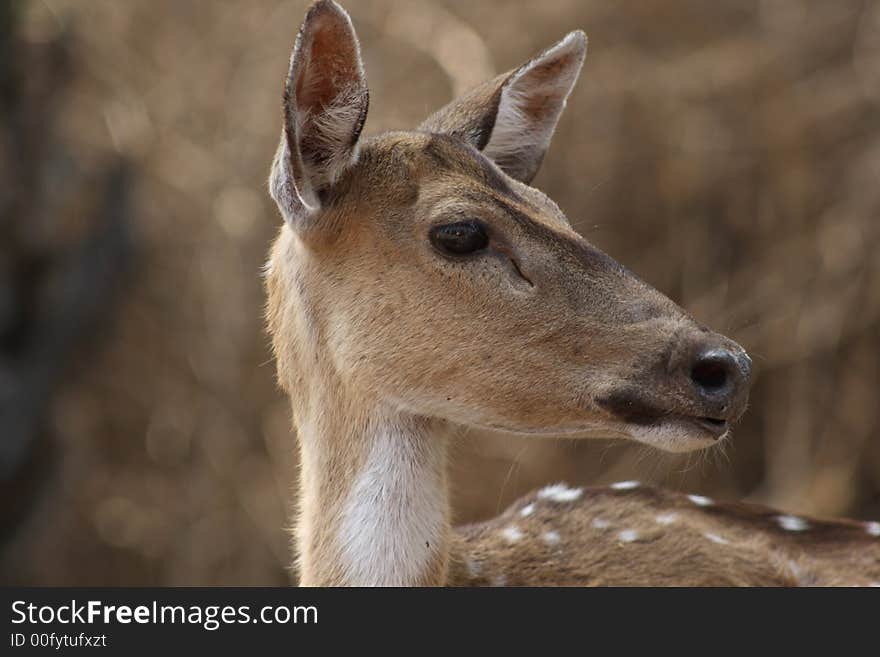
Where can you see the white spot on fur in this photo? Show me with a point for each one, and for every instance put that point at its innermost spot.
(792, 523)
(560, 493)
(873, 528)
(628, 536)
(715, 538)
(393, 518)
(795, 569)
(527, 510)
(511, 534)
(666, 518)
(800, 572)
(473, 567)
(600, 523)
(550, 538)
(500, 580)
(625, 485)
(701, 500)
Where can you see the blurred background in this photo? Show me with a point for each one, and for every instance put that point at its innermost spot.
(727, 152)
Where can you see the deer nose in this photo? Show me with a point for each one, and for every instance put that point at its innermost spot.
(720, 374)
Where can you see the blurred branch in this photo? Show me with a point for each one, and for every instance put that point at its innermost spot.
(60, 257)
(454, 45)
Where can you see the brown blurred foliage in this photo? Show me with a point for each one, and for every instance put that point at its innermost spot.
(727, 152)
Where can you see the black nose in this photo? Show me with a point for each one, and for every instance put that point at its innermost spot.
(718, 373)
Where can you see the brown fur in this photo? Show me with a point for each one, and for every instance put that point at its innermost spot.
(387, 346)
(721, 544)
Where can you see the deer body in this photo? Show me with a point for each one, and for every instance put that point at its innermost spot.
(420, 285)
(629, 534)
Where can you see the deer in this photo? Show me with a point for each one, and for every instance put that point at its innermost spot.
(419, 287)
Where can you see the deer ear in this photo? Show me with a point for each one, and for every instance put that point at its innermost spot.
(512, 118)
(324, 108)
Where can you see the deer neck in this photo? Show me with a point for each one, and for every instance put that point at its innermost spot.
(373, 495)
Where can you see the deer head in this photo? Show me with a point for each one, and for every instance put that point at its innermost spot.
(421, 270)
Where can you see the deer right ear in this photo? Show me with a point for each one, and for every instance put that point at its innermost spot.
(512, 118)
(324, 109)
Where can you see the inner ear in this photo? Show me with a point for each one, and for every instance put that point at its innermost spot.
(331, 61)
(325, 106)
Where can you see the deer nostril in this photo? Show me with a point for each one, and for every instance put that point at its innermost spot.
(714, 370)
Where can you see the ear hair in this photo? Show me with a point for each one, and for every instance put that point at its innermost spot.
(512, 118)
(324, 108)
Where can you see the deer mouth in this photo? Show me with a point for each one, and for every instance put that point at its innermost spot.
(634, 410)
(715, 427)
(704, 427)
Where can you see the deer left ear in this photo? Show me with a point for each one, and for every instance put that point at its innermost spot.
(324, 108)
(512, 118)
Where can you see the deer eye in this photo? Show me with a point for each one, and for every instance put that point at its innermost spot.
(460, 238)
